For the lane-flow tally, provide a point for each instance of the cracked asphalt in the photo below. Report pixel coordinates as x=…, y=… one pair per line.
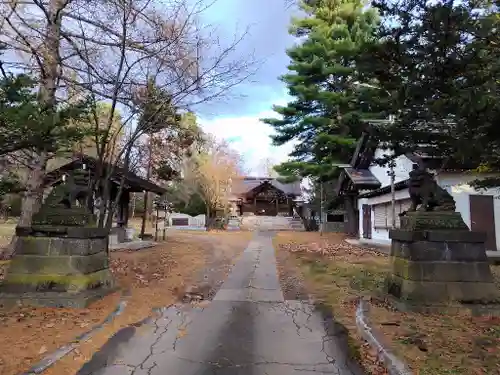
x=247, y=329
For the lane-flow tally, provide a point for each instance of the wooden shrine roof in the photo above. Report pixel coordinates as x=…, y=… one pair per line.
x=133, y=182
x=247, y=184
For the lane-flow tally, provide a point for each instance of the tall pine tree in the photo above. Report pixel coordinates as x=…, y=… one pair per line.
x=326, y=114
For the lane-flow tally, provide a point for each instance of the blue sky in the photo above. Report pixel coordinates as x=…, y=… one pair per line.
x=236, y=119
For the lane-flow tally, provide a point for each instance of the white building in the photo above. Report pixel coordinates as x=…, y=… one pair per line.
x=480, y=209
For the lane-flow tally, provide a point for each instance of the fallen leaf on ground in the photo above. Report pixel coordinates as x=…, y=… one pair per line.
x=337, y=273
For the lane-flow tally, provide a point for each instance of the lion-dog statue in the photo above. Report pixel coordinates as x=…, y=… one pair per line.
x=426, y=194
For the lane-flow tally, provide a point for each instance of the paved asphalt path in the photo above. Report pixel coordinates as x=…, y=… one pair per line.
x=248, y=329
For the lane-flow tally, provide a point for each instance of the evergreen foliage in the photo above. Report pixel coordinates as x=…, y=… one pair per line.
x=156, y=109
x=437, y=68
x=326, y=114
x=195, y=205
x=25, y=124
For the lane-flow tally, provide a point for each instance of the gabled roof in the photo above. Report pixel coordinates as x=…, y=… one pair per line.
x=362, y=178
x=358, y=175
x=133, y=182
x=365, y=150
x=247, y=184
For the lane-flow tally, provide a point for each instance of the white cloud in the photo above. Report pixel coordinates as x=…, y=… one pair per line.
x=250, y=137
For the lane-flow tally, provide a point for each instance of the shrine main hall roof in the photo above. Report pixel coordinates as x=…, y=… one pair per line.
x=247, y=184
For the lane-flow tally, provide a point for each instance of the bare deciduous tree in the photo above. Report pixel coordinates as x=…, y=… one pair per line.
x=112, y=50
x=36, y=33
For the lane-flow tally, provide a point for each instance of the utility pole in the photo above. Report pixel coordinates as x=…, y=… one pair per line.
x=392, y=174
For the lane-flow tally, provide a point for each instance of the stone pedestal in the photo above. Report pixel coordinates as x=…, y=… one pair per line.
x=62, y=259
x=58, y=267
x=436, y=260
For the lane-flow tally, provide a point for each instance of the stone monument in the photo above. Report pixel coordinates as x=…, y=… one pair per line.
x=435, y=258
x=61, y=260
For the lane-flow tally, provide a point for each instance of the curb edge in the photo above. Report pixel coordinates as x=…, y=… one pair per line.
x=64, y=350
x=394, y=365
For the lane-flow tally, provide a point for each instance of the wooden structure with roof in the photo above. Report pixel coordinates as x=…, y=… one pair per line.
x=132, y=183
x=264, y=196
x=354, y=179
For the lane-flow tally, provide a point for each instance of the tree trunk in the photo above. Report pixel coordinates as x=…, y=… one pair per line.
x=103, y=205
x=32, y=198
x=151, y=210
x=110, y=209
x=208, y=221
x=134, y=198
x=144, y=214
x=47, y=96
x=146, y=195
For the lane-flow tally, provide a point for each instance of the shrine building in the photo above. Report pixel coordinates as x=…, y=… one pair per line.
x=264, y=196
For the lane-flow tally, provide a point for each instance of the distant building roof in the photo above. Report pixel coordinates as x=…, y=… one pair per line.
x=246, y=184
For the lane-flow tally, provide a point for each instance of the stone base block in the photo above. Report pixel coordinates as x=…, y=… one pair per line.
x=432, y=292
x=26, y=283
x=55, y=299
x=441, y=271
x=440, y=266
x=62, y=216
x=408, y=245
x=62, y=232
x=63, y=245
x=433, y=220
x=58, y=266
x=129, y=234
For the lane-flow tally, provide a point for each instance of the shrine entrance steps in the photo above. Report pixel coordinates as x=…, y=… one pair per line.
x=271, y=223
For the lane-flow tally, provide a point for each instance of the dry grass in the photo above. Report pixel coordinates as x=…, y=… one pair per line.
x=155, y=277
x=337, y=273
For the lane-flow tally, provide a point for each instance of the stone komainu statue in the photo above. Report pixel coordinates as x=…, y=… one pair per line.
x=69, y=194
x=65, y=205
x=76, y=191
x=424, y=191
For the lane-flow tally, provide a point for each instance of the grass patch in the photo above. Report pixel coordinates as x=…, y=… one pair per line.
x=337, y=273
